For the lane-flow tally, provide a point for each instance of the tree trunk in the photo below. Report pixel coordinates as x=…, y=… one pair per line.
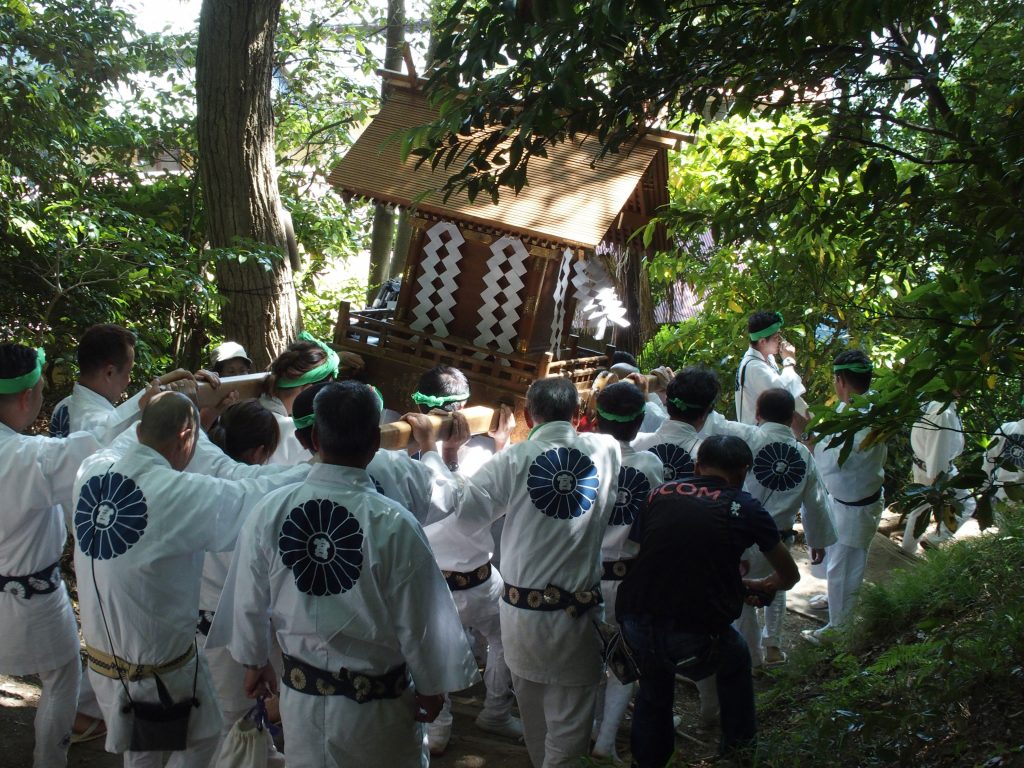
x=403, y=235
x=235, y=126
x=380, y=250
x=383, y=219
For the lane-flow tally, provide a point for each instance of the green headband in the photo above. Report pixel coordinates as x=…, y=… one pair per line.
x=380, y=397
x=623, y=419
x=26, y=380
x=682, y=405
x=301, y=422
x=433, y=401
x=329, y=367
x=764, y=333
x=854, y=367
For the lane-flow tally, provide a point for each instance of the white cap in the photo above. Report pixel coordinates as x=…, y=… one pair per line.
x=229, y=350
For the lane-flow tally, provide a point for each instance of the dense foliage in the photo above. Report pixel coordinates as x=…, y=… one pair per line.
x=867, y=182
x=85, y=235
x=931, y=675
x=101, y=216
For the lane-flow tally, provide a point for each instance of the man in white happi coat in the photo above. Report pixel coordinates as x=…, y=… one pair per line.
x=142, y=526
x=425, y=489
x=855, y=493
x=936, y=438
x=655, y=414
x=759, y=370
x=210, y=460
x=357, y=602
x=690, y=398
x=557, y=491
x=106, y=355
x=37, y=476
x=465, y=558
x=621, y=410
x=1004, y=460
x=783, y=478
x=306, y=361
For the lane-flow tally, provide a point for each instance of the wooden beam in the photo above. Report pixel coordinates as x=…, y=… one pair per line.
x=397, y=435
x=394, y=436
x=248, y=387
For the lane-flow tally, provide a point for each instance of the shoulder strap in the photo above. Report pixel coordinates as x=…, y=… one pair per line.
x=741, y=378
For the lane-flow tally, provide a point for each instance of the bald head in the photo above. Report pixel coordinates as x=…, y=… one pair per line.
x=169, y=425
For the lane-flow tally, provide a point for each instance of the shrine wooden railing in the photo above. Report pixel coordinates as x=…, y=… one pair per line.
x=514, y=372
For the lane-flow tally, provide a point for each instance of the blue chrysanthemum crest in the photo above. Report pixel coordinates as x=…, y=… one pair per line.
x=563, y=483
x=321, y=542
x=779, y=467
x=634, y=488
x=111, y=516
x=675, y=460
x=60, y=421
x=1013, y=451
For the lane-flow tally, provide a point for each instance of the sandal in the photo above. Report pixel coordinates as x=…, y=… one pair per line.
x=97, y=729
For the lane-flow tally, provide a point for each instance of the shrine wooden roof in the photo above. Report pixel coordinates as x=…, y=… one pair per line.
x=569, y=199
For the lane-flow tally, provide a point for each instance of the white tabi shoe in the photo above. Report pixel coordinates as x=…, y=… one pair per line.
x=438, y=736
x=510, y=727
x=818, y=602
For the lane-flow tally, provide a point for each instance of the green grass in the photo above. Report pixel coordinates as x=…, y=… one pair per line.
x=930, y=674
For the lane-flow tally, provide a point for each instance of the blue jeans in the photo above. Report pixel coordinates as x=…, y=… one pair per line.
x=663, y=651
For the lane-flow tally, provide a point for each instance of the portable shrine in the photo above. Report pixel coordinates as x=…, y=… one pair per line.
x=492, y=288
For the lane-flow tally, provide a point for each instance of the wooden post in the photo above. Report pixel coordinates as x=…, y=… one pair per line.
x=531, y=301
x=544, y=365
x=412, y=267
x=341, y=327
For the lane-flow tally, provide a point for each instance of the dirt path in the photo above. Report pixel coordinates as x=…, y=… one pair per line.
x=470, y=747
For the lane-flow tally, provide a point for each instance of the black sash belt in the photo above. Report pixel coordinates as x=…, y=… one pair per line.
x=39, y=583
x=615, y=570
x=552, y=598
x=863, y=502
x=358, y=686
x=457, y=580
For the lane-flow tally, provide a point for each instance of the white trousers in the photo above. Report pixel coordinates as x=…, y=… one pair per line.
x=556, y=721
x=616, y=696
x=762, y=627
x=965, y=511
x=87, y=704
x=478, y=608
x=55, y=714
x=845, y=573
x=198, y=754
x=228, y=677
x=616, y=699
x=337, y=732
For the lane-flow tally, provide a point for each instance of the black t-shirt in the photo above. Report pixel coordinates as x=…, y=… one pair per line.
x=692, y=535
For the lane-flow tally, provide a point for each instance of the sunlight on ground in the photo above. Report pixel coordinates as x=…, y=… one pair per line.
x=17, y=693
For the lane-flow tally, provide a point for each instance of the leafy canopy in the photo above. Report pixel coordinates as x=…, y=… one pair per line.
x=875, y=197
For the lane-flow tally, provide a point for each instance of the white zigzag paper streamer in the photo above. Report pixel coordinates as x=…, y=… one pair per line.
x=561, y=289
x=440, y=300
x=509, y=262
x=595, y=287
